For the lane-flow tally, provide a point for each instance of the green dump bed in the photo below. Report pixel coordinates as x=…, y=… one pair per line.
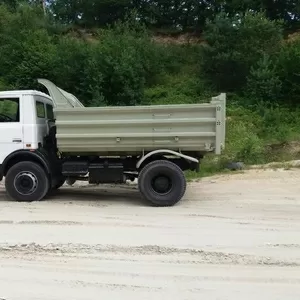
x=132, y=130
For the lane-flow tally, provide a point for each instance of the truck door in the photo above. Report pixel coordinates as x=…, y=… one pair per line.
x=11, y=127
x=41, y=121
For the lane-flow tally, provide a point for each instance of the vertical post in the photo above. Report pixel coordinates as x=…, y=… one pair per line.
x=223, y=101
x=220, y=103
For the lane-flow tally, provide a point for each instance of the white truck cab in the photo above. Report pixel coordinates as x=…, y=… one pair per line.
x=24, y=119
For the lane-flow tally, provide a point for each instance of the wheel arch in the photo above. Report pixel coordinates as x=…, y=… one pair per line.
x=151, y=154
x=26, y=155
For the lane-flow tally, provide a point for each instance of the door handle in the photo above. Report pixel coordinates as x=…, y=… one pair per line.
x=17, y=141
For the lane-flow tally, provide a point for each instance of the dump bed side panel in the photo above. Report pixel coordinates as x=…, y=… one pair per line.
x=132, y=130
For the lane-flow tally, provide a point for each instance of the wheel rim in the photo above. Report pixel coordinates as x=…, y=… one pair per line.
x=161, y=184
x=25, y=183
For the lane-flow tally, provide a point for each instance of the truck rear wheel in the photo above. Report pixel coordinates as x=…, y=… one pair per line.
x=26, y=182
x=162, y=183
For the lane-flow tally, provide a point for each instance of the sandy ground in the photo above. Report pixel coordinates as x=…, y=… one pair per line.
x=232, y=237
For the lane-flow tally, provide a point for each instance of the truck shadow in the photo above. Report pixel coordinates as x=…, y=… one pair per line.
x=98, y=195
x=110, y=194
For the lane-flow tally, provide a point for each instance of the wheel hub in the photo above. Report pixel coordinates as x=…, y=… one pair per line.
x=161, y=184
x=25, y=183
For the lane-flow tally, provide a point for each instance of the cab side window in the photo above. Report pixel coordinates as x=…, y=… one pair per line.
x=9, y=110
x=40, y=110
x=50, y=114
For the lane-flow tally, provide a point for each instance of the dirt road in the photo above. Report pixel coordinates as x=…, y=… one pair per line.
x=232, y=237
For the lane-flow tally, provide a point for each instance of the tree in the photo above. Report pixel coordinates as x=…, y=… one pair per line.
x=27, y=50
x=235, y=44
x=288, y=68
x=286, y=10
x=184, y=15
x=263, y=82
x=10, y=3
x=90, y=13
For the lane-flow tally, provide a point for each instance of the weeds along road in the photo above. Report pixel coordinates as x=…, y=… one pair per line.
x=232, y=237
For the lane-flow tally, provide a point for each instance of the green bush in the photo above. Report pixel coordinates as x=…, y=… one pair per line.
x=288, y=68
x=178, y=57
x=118, y=67
x=3, y=85
x=280, y=124
x=263, y=82
x=34, y=61
x=243, y=141
x=113, y=69
x=183, y=88
x=26, y=49
x=234, y=45
x=69, y=67
x=250, y=132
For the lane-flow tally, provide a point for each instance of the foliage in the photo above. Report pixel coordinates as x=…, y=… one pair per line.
x=280, y=124
x=119, y=66
x=113, y=70
x=69, y=65
x=182, y=15
x=168, y=15
x=288, y=68
x=177, y=89
x=243, y=141
x=3, y=86
x=234, y=45
x=90, y=13
x=263, y=81
x=26, y=47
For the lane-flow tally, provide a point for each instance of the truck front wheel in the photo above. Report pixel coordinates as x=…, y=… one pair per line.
x=162, y=183
x=59, y=183
x=26, y=181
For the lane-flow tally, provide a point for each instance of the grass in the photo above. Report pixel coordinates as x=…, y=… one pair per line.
x=206, y=170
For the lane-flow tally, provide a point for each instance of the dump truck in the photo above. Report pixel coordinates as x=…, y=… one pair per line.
x=48, y=138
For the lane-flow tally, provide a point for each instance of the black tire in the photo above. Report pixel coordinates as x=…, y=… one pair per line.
x=53, y=189
x=59, y=184
x=166, y=192
x=26, y=182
